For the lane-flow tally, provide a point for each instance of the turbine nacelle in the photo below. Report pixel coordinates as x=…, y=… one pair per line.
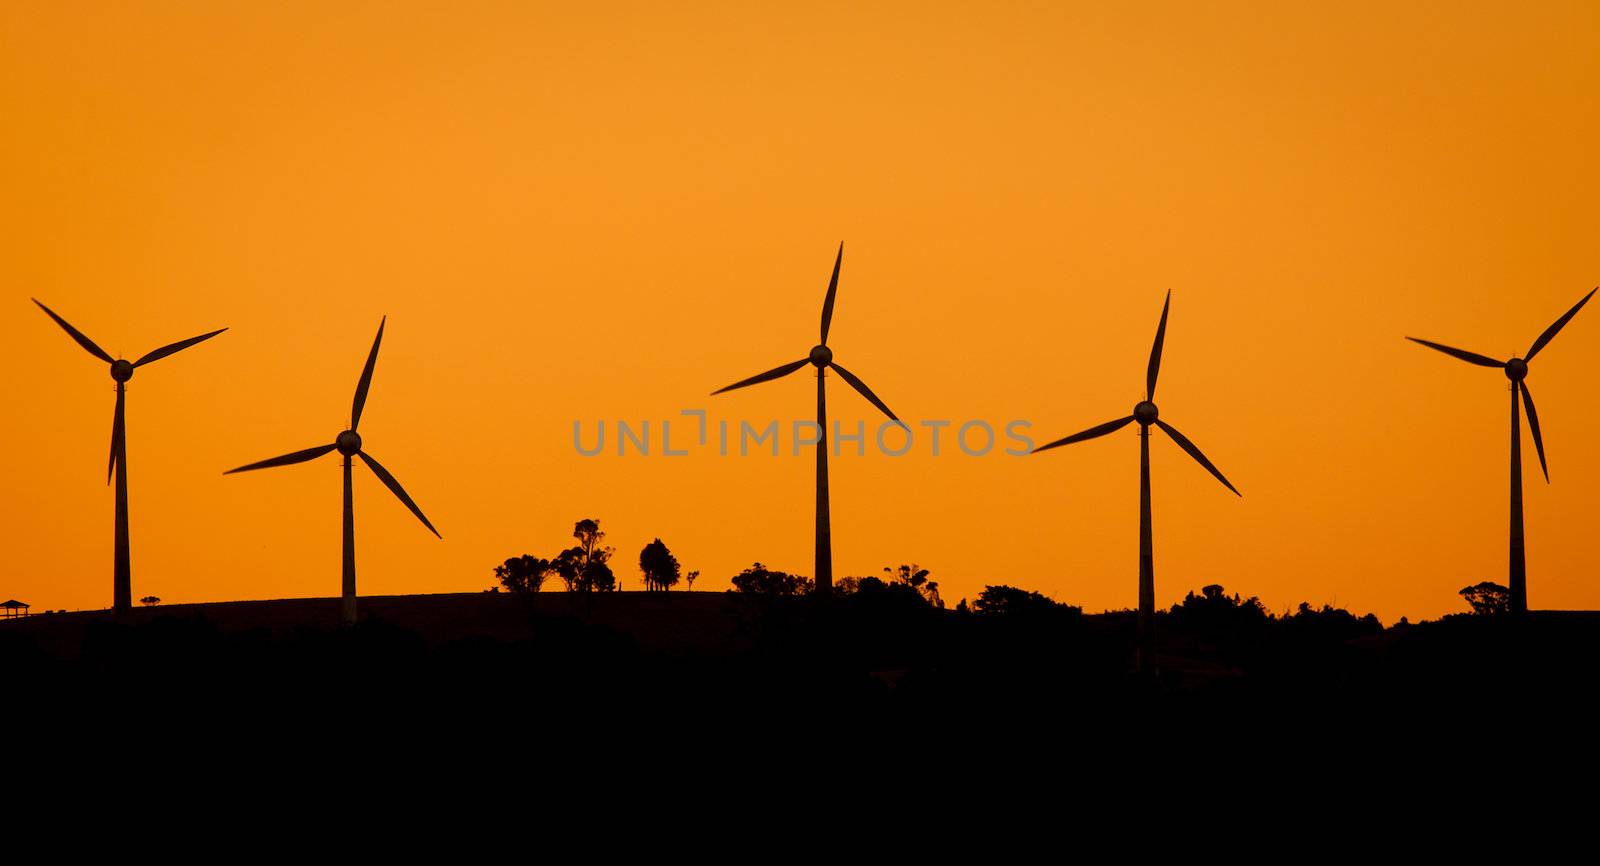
x=121, y=370
x=821, y=356
x=1516, y=369
x=348, y=443
x=1146, y=413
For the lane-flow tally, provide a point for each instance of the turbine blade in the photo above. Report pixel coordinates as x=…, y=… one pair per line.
x=366, y=378
x=1194, y=452
x=1533, y=425
x=865, y=392
x=1091, y=433
x=1155, y=351
x=1550, y=332
x=833, y=289
x=1463, y=354
x=394, y=487
x=286, y=460
x=117, y=434
x=774, y=373
x=176, y=347
x=76, y=334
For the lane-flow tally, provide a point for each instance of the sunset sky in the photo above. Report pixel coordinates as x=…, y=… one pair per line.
x=605, y=211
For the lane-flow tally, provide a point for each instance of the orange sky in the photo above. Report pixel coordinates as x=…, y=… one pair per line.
x=603, y=211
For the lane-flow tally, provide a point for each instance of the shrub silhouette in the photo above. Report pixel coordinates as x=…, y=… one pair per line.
x=523, y=573
x=916, y=577
x=1329, y=624
x=1002, y=600
x=598, y=577
x=760, y=579
x=1487, y=598
x=1213, y=610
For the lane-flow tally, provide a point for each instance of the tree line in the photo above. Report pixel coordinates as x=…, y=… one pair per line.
x=586, y=567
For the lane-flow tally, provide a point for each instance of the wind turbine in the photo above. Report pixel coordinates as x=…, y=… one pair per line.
x=348, y=444
x=821, y=357
x=1516, y=370
x=121, y=371
x=1146, y=413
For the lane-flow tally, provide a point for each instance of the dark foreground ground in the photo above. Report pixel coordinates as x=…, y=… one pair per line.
x=492, y=703
x=661, y=661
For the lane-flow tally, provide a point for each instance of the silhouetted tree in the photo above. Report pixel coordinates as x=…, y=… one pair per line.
x=568, y=564
x=885, y=624
x=1005, y=600
x=583, y=568
x=690, y=578
x=589, y=536
x=917, y=578
x=150, y=601
x=845, y=586
x=597, y=577
x=658, y=565
x=1225, y=627
x=1016, y=631
x=1214, y=610
x=1487, y=598
x=523, y=573
x=760, y=579
x=1329, y=624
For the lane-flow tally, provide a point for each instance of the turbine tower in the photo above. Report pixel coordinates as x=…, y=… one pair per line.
x=1146, y=413
x=121, y=371
x=348, y=444
x=1516, y=370
x=821, y=357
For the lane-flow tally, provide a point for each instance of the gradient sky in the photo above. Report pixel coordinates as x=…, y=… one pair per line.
x=607, y=210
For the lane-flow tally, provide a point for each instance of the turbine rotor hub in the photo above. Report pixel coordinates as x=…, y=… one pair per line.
x=348, y=443
x=821, y=356
x=121, y=370
x=1516, y=369
x=1146, y=413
